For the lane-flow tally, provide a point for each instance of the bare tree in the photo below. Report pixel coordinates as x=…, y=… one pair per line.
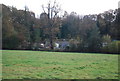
x=52, y=20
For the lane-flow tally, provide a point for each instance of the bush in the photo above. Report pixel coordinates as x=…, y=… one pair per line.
x=113, y=47
x=11, y=42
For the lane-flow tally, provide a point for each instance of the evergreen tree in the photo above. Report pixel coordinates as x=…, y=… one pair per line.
x=93, y=41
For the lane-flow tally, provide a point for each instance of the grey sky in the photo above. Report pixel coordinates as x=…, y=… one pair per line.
x=82, y=7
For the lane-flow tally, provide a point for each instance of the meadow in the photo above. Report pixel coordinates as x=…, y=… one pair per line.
x=18, y=64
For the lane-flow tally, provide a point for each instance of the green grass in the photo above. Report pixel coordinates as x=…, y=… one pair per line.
x=58, y=65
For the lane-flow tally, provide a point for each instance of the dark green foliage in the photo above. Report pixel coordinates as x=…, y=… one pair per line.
x=115, y=29
x=93, y=40
x=18, y=26
x=20, y=29
x=70, y=26
x=11, y=42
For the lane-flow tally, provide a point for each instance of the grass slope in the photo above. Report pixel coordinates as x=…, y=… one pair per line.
x=58, y=65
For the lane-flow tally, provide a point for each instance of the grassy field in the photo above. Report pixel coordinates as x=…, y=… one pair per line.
x=58, y=65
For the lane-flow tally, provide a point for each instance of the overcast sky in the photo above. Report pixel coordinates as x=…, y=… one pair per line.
x=81, y=7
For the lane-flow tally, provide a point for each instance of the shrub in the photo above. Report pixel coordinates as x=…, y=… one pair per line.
x=113, y=47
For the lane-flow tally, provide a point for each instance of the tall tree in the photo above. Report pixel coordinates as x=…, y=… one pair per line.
x=52, y=21
x=94, y=40
x=70, y=25
x=115, y=29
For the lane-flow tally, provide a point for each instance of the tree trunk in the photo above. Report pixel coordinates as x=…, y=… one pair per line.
x=51, y=44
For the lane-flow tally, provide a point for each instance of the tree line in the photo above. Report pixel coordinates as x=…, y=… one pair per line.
x=88, y=33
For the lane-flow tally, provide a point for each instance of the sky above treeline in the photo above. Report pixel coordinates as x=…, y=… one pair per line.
x=81, y=7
